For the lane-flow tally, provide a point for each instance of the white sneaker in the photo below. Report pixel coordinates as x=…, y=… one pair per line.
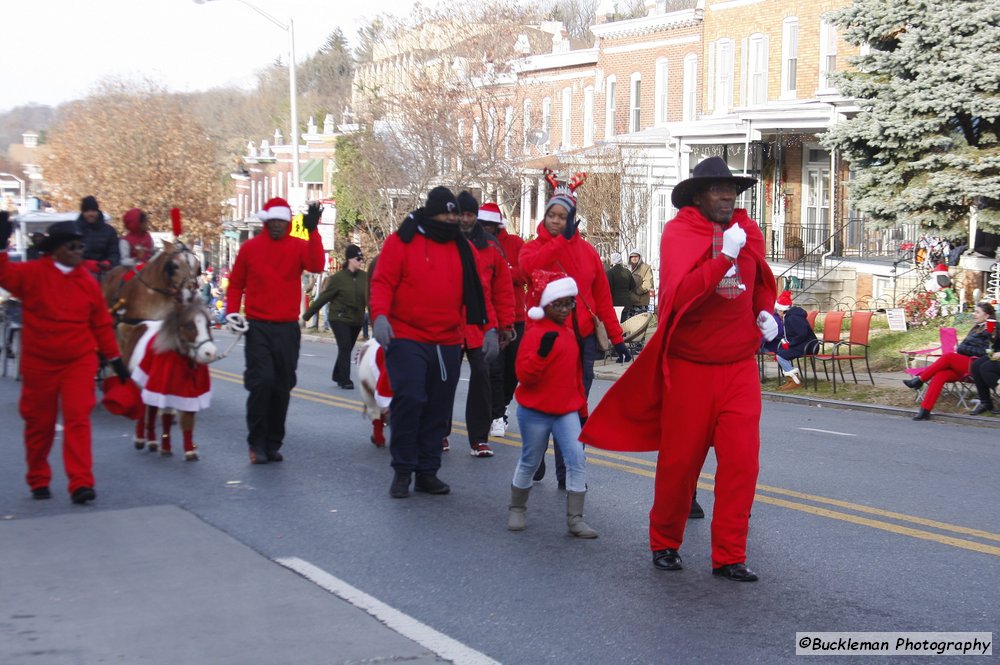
x=498, y=428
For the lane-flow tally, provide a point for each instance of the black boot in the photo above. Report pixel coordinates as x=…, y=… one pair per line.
x=400, y=488
x=696, y=510
x=914, y=383
x=430, y=483
x=922, y=414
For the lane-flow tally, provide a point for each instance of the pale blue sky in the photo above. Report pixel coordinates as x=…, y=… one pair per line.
x=53, y=51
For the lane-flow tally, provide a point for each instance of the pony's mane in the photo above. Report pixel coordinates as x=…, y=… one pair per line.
x=169, y=336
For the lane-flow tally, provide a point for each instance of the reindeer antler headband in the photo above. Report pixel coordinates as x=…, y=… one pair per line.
x=564, y=188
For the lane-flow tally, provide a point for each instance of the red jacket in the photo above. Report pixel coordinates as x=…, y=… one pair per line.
x=553, y=384
x=498, y=289
x=578, y=259
x=628, y=417
x=269, y=274
x=64, y=316
x=512, y=245
x=418, y=285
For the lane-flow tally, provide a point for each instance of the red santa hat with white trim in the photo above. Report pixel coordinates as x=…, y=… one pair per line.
x=546, y=287
x=276, y=208
x=784, y=301
x=489, y=213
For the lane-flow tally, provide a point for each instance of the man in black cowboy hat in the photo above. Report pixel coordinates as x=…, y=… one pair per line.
x=66, y=318
x=715, y=297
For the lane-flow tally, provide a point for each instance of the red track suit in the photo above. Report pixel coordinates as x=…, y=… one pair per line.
x=65, y=322
x=706, y=390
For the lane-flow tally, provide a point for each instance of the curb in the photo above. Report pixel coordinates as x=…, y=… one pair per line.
x=954, y=418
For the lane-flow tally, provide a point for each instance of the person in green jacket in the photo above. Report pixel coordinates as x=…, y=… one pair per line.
x=346, y=291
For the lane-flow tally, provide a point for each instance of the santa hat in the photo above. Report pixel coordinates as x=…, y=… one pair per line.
x=276, y=208
x=122, y=398
x=546, y=287
x=940, y=269
x=489, y=213
x=784, y=301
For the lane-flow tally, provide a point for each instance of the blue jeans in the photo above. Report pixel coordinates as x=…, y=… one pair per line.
x=535, y=430
x=785, y=365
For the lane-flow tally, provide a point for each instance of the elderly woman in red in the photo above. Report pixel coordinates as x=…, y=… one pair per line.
x=65, y=322
x=559, y=248
x=954, y=366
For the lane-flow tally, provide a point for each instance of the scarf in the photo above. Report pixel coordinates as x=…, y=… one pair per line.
x=443, y=232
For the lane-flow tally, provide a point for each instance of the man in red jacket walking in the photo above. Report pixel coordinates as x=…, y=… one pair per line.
x=267, y=280
x=423, y=335
x=65, y=321
x=696, y=385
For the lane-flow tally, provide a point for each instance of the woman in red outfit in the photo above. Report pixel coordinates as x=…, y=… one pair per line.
x=953, y=366
x=551, y=399
x=136, y=247
x=65, y=321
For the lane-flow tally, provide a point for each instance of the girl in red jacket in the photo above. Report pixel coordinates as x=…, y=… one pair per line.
x=551, y=399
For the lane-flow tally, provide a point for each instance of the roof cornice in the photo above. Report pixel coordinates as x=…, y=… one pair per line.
x=648, y=24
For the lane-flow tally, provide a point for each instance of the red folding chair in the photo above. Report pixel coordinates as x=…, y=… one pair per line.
x=832, y=323
x=857, y=338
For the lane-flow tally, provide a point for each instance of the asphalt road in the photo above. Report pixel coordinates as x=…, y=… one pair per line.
x=863, y=522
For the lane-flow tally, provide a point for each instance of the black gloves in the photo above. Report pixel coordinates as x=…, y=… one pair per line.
x=6, y=229
x=571, y=225
x=624, y=355
x=311, y=219
x=548, y=341
x=119, y=367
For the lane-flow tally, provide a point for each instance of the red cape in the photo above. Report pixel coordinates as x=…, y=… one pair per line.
x=628, y=417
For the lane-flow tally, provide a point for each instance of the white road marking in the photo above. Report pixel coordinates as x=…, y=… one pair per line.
x=825, y=431
x=444, y=646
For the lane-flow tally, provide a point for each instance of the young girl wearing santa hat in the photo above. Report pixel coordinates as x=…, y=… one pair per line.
x=551, y=399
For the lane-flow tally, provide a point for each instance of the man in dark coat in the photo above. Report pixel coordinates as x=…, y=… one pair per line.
x=100, y=240
x=799, y=339
x=622, y=283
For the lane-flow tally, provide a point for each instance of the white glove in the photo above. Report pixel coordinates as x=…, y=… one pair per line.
x=733, y=240
x=237, y=323
x=767, y=325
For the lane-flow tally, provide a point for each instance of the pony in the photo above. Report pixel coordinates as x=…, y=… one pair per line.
x=376, y=403
x=147, y=292
x=170, y=363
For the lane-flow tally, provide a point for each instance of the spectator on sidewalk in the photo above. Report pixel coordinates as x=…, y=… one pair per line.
x=423, y=335
x=642, y=273
x=798, y=340
x=985, y=372
x=621, y=283
x=346, y=296
x=66, y=320
x=954, y=366
x=267, y=280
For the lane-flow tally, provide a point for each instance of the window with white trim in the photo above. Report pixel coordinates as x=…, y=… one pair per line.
x=609, y=107
x=508, y=130
x=725, y=56
x=588, y=116
x=690, y=92
x=475, y=136
x=526, y=123
x=635, y=98
x=789, y=57
x=661, y=210
x=827, y=54
x=756, y=70
x=660, y=100
x=567, y=115
x=461, y=146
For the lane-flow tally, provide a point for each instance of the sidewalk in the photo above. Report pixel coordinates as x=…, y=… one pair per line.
x=159, y=586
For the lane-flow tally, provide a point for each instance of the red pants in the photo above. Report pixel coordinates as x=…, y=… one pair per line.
x=43, y=390
x=708, y=405
x=949, y=367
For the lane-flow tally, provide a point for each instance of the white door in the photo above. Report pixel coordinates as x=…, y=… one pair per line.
x=815, y=197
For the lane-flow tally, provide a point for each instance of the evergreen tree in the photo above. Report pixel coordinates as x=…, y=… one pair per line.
x=925, y=145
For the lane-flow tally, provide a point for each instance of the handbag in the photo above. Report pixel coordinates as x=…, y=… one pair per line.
x=600, y=330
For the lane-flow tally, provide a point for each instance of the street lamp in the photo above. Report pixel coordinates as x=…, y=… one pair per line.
x=292, y=89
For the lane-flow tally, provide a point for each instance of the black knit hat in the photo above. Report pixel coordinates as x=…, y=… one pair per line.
x=706, y=172
x=440, y=201
x=467, y=203
x=59, y=234
x=353, y=252
x=89, y=203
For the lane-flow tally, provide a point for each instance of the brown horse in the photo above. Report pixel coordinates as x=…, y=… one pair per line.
x=133, y=296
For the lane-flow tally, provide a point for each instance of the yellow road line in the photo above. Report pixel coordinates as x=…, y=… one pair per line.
x=602, y=458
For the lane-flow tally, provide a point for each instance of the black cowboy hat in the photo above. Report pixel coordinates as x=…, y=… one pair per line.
x=707, y=172
x=59, y=234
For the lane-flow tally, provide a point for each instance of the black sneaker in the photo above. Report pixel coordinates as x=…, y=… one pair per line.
x=82, y=495
x=40, y=493
x=431, y=484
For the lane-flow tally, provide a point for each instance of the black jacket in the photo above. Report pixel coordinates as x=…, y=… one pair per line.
x=621, y=282
x=100, y=240
x=799, y=335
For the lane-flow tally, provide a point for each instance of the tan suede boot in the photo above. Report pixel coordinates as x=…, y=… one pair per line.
x=518, y=507
x=574, y=516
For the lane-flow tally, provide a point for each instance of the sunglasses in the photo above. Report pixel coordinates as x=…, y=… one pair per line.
x=563, y=305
